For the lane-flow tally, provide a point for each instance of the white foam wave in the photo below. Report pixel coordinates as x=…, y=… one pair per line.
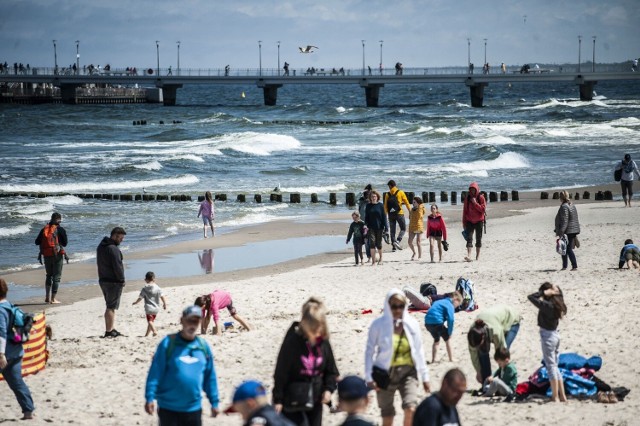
x=251, y=219
x=15, y=230
x=65, y=200
x=341, y=109
x=153, y=165
x=193, y=158
x=100, y=186
x=506, y=160
x=258, y=143
x=35, y=208
x=315, y=189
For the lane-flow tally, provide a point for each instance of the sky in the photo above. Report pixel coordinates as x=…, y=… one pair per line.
x=214, y=33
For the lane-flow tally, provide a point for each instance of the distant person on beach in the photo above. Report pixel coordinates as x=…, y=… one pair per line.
x=182, y=368
x=208, y=213
x=362, y=209
x=627, y=167
x=151, y=293
x=206, y=260
x=394, y=358
x=436, y=232
x=211, y=305
x=306, y=373
x=416, y=226
x=499, y=325
x=567, y=223
x=551, y=308
x=440, y=313
x=629, y=255
x=357, y=230
x=11, y=359
x=111, y=277
x=251, y=401
x=52, y=240
x=473, y=217
x=393, y=202
x=376, y=221
x=439, y=409
x=353, y=399
x=505, y=379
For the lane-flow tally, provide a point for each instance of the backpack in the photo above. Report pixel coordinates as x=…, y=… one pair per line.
x=49, y=245
x=467, y=290
x=393, y=206
x=617, y=175
x=19, y=326
x=202, y=345
x=428, y=289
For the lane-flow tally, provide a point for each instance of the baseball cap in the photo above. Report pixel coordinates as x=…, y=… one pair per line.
x=249, y=389
x=351, y=388
x=192, y=311
x=627, y=157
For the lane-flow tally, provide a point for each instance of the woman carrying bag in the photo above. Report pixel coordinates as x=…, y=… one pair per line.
x=394, y=358
x=306, y=372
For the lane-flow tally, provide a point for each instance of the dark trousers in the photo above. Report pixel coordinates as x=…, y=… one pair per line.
x=485, y=358
x=357, y=250
x=53, y=268
x=627, y=189
x=178, y=418
x=570, y=253
x=307, y=418
x=12, y=374
x=399, y=220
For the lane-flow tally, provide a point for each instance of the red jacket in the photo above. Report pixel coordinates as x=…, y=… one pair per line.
x=436, y=224
x=474, y=207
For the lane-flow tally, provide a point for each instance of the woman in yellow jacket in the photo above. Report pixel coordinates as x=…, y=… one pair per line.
x=416, y=226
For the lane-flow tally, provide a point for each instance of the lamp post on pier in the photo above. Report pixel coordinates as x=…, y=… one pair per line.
x=278, y=57
x=178, y=44
x=158, y=58
x=381, y=41
x=485, y=51
x=77, y=56
x=55, y=58
x=579, y=51
x=469, y=54
x=260, y=56
x=363, y=57
x=593, y=60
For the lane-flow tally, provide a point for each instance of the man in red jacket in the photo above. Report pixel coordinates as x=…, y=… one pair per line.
x=473, y=215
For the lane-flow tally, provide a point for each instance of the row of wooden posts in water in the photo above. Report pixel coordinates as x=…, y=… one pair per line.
x=295, y=197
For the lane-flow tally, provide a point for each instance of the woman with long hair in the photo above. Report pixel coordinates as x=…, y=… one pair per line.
x=208, y=213
x=416, y=226
x=436, y=231
x=567, y=223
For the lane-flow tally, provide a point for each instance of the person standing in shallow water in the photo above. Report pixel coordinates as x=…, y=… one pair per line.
x=567, y=223
x=208, y=213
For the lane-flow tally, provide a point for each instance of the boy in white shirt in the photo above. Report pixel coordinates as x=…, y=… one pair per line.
x=152, y=295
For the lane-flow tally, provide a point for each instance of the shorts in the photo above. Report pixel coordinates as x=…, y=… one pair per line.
x=375, y=238
x=207, y=220
x=437, y=331
x=405, y=379
x=632, y=254
x=112, y=293
x=151, y=317
x=231, y=309
x=436, y=234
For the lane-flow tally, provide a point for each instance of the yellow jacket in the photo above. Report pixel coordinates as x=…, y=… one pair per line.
x=402, y=199
x=416, y=219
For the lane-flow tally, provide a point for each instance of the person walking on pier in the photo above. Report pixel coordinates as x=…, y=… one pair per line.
x=503, y=67
x=393, y=202
x=286, y=68
x=627, y=168
x=226, y=70
x=169, y=72
x=52, y=239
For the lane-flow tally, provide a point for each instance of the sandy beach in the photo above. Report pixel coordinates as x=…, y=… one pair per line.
x=89, y=380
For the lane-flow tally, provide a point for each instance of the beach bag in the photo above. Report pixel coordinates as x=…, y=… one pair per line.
x=381, y=377
x=49, y=245
x=428, y=289
x=561, y=245
x=467, y=289
x=298, y=397
x=20, y=324
x=617, y=175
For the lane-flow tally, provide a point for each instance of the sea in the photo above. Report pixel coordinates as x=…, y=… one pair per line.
x=318, y=139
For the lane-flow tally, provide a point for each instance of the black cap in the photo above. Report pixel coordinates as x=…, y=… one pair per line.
x=627, y=157
x=352, y=388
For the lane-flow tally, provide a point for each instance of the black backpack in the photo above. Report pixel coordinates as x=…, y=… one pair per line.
x=617, y=175
x=393, y=206
x=428, y=289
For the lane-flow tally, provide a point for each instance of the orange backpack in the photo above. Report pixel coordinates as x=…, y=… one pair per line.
x=49, y=245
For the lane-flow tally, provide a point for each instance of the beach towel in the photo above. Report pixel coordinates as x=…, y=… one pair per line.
x=35, y=350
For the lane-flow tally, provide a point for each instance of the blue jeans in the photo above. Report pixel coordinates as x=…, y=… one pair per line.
x=511, y=335
x=571, y=256
x=12, y=373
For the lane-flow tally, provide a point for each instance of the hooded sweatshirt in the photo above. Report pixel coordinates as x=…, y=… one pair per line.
x=380, y=348
x=437, y=224
x=473, y=212
x=499, y=319
x=109, y=260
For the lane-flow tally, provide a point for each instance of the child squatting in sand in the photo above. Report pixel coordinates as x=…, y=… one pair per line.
x=152, y=295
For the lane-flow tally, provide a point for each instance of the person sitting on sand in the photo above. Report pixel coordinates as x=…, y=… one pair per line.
x=208, y=213
x=416, y=226
x=211, y=305
x=629, y=255
x=152, y=295
x=442, y=311
x=505, y=379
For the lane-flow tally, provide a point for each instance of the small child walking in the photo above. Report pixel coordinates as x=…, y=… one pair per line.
x=550, y=303
x=442, y=311
x=358, y=230
x=505, y=379
x=208, y=213
x=151, y=293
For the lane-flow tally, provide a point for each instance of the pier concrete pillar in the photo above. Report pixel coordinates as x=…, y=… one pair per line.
x=586, y=90
x=477, y=92
x=270, y=92
x=68, y=93
x=371, y=92
x=169, y=94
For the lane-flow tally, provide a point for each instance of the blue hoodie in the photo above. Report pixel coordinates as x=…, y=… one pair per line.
x=177, y=383
x=440, y=311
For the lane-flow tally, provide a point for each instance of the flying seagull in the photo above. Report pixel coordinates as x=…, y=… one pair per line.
x=307, y=49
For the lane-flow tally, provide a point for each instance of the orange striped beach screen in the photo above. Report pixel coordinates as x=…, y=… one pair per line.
x=35, y=350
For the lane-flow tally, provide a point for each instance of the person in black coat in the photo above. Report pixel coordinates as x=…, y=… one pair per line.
x=305, y=361
x=377, y=224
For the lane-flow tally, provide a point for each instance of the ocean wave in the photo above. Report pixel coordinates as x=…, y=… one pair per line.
x=289, y=170
x=258, y=143
x=99, y=186
x=315, y=189
x=153, y=165
x=254, y=218
x=15, y=230
x=506, y=160
x=64, y=200
x=190, y=157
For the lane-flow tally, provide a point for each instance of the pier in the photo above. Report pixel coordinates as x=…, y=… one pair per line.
x=166, y=86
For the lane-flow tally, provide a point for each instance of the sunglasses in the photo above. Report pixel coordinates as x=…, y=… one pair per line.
x=193, y=320
x=394, y=307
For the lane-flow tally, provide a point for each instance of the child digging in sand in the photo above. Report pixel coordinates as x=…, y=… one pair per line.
x=440, y=312
x=505, y=379
x=211, y=305
x=152, y=295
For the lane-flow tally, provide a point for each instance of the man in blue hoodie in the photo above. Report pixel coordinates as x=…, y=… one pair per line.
x=182, y=368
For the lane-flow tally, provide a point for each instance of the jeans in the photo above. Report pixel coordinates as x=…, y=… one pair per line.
x=511, y=335
x=397, y=219
x=53, y=268
x=12, y=373
x=570, y=254
x=177, y=418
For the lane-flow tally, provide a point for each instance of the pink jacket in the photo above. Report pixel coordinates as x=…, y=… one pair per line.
x=436, y=224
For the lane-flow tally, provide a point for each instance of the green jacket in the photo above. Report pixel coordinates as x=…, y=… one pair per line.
x=509, y=375
x=499, y=319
